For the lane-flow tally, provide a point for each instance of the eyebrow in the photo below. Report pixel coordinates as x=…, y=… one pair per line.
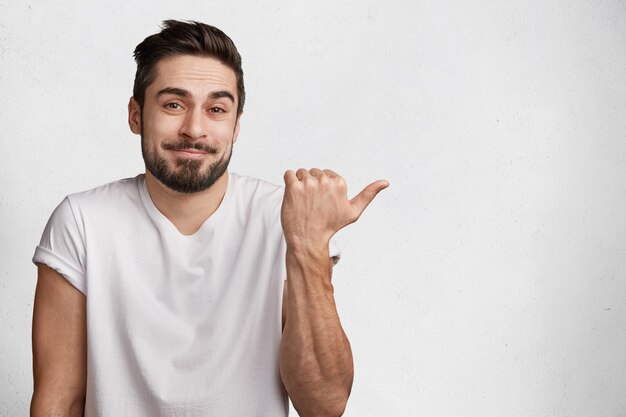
x=186, y=94
x=174, y=91
x=220, y=94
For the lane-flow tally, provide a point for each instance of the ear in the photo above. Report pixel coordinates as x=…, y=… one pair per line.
x=236, y=132
x=134, y=116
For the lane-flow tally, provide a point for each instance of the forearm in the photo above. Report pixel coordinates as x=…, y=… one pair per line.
x=315, y=357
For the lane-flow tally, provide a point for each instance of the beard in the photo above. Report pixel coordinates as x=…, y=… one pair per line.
x=187, y=176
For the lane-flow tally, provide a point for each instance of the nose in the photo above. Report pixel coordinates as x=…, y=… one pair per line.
x=194, y=124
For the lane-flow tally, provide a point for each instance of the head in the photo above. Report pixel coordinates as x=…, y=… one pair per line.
x=187, y=99
x=185, y=38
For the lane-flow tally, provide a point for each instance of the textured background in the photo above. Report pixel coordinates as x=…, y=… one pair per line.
x=489, y=280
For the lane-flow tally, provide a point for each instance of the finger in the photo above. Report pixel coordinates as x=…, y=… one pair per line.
x=302, y=174
x=365, y=197
x=290, y=177
x=331, y=173
x=316, y=172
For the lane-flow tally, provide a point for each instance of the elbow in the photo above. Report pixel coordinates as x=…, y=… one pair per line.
x=337, y=407
x=329, y=406
x=334, y=410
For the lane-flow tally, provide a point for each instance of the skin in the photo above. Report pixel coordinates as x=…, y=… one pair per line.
x=194, y=99
x=315, y=358
x=59, y=347
x=202, y=114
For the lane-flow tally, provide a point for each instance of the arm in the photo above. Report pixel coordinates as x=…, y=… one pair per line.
x=315, y=357
x=59, y=347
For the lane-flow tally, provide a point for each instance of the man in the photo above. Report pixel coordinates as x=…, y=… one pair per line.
x=164, y=294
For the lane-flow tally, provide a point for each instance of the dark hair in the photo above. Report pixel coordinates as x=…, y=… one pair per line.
x=185, y=38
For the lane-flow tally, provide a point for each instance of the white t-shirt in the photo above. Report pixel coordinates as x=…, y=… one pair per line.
x=176, y=325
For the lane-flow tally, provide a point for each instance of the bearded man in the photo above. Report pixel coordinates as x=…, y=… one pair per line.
x=189, y=290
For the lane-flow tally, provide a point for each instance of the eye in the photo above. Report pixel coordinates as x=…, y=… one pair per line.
x=173, y=106
x=216, y=110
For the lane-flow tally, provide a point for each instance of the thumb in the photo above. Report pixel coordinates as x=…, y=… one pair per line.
x=365, y=197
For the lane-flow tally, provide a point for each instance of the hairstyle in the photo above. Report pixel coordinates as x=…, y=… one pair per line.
x=185, y=38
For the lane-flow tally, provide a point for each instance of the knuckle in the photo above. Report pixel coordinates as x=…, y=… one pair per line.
x=312, y=182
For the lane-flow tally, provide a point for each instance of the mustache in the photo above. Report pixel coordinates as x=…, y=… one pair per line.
x=189, y=145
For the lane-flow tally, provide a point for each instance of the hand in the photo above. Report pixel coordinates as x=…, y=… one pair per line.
x=316, y=205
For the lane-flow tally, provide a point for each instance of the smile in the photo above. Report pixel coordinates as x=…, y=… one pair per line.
x=189, y=153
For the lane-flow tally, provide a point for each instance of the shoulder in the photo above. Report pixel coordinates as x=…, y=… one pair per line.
x=107, y=194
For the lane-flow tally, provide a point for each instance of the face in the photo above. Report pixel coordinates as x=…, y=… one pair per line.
x=189, y=122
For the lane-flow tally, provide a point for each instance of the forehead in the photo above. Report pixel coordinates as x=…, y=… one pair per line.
x=198, y=74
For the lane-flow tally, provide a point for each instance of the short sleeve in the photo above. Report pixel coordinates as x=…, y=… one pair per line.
x=62, y=246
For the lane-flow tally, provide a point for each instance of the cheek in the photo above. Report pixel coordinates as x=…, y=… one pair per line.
x=161, y=126
x=224, y=132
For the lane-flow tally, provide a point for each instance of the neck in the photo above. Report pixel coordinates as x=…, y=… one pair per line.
x=186, y=211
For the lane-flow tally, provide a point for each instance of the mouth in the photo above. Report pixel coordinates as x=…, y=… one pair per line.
x=190, y=150
x=189, y=153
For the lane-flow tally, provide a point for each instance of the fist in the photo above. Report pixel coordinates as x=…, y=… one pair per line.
x=316, y=205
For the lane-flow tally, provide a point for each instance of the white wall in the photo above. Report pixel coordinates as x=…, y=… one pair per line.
x=489, y=280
